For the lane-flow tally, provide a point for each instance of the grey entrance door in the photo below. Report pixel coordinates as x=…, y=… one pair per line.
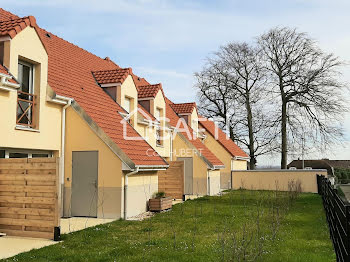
x=84, y=183
x=188, y=190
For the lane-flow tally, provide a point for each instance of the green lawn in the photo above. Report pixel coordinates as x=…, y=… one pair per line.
x=239, y=225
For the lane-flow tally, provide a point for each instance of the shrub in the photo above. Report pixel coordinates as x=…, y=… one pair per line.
x=160, y=194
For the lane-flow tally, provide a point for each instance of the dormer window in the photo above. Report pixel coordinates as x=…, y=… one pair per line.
x=158, y=114
x=127, y=104
x=26, y=98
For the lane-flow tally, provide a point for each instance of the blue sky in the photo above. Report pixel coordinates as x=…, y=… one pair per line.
x=167, y=41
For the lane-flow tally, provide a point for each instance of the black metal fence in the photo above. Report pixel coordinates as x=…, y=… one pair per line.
x=338, y=218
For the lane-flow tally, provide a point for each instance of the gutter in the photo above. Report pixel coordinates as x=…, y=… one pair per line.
x=135, y=171
x=6, y=85
x=241, y=158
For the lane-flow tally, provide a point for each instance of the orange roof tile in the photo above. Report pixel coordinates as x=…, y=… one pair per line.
x=15, y=25
x=139, y=81
x=111, y=76
x=69, y=74
x=184, y=108
x=66, y=59
x=204, y=151
x=222, y=138
x=6, y=15
x=148, y=91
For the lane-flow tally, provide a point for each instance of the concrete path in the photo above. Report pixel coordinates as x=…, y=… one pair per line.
x=11, y=246
x=346, y=191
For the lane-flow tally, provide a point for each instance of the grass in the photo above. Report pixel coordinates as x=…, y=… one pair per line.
x=206, y=229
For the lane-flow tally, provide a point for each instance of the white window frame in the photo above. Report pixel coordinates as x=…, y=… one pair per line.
x=26, y=151
x=31, y=76
x=127, y=104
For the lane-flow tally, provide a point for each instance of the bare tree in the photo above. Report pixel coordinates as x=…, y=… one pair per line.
x=231, y=89
x=311, y=98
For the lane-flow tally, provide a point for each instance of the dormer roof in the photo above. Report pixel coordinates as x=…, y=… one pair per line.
x=184, y=108
x=15, y=25
x=114, y=76
x=149, y=91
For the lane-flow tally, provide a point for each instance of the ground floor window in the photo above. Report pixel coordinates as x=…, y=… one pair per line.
x=24, y=153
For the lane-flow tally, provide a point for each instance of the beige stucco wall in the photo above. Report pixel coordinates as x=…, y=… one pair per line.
x=149, y=131
x=141, y=187
x=28, y=46
x=194, y=120
x=214, y=178
x=239, y=165
x=128, y=89
x=200, y=168
x=80, y=137
x=225, y=157
x=220, y=152
x=276, y=179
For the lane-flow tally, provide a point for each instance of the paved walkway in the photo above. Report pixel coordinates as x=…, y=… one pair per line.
x=346, y=191
x=11, y=246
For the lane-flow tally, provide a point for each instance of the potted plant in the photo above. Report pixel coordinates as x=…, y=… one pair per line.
x=160, y=202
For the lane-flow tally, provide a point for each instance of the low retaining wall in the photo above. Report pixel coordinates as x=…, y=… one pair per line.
x=276, y=179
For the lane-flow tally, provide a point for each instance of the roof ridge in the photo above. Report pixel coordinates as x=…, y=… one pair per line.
x=111, y=70
x=44, y=30
x=159, y=84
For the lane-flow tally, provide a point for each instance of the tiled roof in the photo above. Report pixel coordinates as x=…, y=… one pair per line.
x=6, y=15
x=222, y=138
x=3, y=70
x=139, y=81
x=112, y=76
x=69, y=74
x=173, y=121
x=15, y=25
x=148, y=91
x=183, y=108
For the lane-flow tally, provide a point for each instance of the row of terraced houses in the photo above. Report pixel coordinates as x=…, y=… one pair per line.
x=113, y=131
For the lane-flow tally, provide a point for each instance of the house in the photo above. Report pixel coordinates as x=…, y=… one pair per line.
x=113, y=131
x=203, y=175
x=63, y=101
x=330, y=165
x=233, y=157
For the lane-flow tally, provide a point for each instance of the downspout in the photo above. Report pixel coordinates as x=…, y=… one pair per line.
x=171, y=145
x=126, y=189
x=208, y=181
x=63, y=139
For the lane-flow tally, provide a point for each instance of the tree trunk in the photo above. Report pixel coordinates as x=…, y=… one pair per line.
x=284, y=135
x=251, y=134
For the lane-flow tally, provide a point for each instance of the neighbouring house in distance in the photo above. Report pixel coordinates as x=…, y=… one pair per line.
x=337, y=168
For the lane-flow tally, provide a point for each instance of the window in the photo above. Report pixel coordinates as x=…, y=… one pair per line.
x=39, y=155
x=26, y=97
x=18, y=155
x=158, y=136
x=25, y=77
x=158, y=114
x=127, y=104
x=23, y=153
